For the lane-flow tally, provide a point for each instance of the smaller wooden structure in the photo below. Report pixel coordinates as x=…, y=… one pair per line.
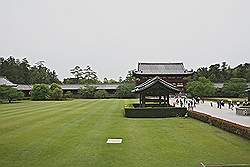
x=155, y=87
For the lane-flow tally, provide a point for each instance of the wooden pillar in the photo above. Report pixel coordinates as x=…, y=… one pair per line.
x=140, y=99
x=164, y=99
x=159, y=99
x=248, y=92
x=168, y=99
x=143, y=100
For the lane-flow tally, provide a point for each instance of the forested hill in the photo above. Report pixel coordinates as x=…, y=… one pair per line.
x=220, y=73
x=21, y=72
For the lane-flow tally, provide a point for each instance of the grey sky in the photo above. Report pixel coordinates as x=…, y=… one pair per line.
x=113, y=35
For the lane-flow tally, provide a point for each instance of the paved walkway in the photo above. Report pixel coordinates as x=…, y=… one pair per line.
x=223, y=113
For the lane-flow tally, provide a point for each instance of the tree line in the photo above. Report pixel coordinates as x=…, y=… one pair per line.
x=21, y=72
x=220, y=73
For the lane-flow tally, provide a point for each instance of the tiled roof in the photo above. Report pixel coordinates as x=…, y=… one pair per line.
x=24, y=87
x=5, y=81
x=161, y=68
x=220, y=85
x=149, y=83
x=75, y=87
x=98, y=86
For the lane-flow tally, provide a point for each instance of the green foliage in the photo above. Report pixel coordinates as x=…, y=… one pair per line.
x=56, y=92
x=220, y=123
x=101, y=94
x=40, y=92
x=202, y=87
x=21, y=72
x=85, y=76
x=130, y=78
x=53, y=86
x=235, y=87
x=111, y=81
x=68, y=94
x=221, y=73
x=77, y=72
x=87, y=92
x=9, y=93
x=124, y=90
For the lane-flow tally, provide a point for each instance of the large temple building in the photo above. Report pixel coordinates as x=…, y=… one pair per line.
x=173, y=73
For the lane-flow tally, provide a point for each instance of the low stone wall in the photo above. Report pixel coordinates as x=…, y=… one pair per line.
x=154, y=112
x=245, y=111
x=220, y=123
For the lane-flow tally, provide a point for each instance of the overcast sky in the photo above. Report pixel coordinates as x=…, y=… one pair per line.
x=112, y=36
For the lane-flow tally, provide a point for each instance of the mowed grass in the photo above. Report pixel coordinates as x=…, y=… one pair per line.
x=73, y=134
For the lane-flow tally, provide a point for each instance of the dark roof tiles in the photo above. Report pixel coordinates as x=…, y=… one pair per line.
x=161, y=68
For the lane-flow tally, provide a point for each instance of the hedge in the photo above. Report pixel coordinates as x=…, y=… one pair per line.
x=220, y=123
x=154, y=112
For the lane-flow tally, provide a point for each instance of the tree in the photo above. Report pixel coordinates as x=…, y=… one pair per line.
x=90, y=76
x=235, y=87
x=87, y=92
x=40, y=92
x=124, y=90
x=130, y=77
x=105, y=80
x=101, y=94
x=56, y=91
x=21, y=72
x=77, y=72
x=9, y=93
x=202, y=87
x=120, y=79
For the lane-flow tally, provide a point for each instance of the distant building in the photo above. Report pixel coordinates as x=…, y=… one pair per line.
x=26, y=89
x=173, y=73
x=5, y=81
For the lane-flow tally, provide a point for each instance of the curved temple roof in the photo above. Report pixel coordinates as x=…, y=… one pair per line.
x=5, y=81
x=151, y=82
x=161, y=69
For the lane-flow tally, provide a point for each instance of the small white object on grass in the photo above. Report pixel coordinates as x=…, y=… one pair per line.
x=114, y=141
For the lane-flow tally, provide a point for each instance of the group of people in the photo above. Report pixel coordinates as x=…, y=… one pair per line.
x=189, y=103
x=221, y=103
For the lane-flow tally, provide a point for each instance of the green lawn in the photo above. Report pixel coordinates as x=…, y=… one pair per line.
x=73, y=133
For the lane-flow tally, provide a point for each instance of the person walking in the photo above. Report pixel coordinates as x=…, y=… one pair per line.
x=181, y=103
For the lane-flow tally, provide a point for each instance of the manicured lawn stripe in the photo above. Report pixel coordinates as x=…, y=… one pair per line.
x=73, y=133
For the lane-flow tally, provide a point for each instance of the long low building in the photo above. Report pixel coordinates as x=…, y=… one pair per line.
x=220, y=85
x=110, y=88
x=26, y=89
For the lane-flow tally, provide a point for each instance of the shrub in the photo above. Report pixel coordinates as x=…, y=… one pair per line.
x=68, y=94
x=124, y=90
x=223, y=124
x=101, y=94
x=9, y=93
x=153, y=112
x=54, y=86
x=87, y=92
x=40, y=92
x=56, y=94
